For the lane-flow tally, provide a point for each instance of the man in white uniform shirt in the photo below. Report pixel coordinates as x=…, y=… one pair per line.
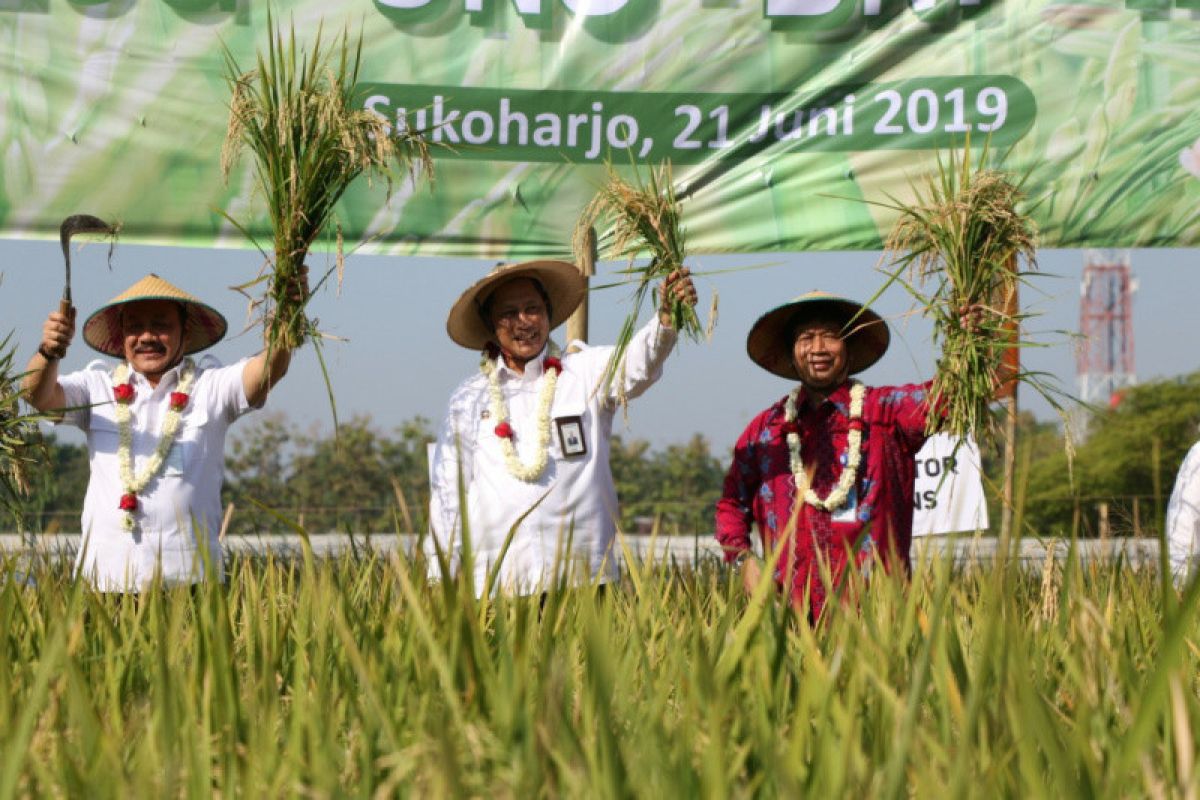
x=1183, y=517
x=155, y=428
x=530, y=430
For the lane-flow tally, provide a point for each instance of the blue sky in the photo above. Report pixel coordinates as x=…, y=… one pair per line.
x=396, y=361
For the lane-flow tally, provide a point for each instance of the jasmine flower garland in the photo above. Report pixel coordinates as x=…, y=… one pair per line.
x=123, y=392
x=837, y=497
x=499, y=411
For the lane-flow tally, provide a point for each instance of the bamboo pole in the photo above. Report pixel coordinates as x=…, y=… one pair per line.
x=225, y=522
x=1008, y=392
x=577, y=323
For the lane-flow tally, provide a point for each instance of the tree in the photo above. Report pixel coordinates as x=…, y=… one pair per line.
x=1036, y=442
x=366, y=480
x=1129, y=460
x=351, y=481
x=680, y=484
x=60, y=487
x=257, y=460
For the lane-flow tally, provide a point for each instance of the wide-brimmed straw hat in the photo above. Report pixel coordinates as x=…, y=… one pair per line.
x=770, y=343
x=562, y=280
x=204, y=326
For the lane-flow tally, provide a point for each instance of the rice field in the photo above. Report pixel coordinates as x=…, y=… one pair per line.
x=355, y=676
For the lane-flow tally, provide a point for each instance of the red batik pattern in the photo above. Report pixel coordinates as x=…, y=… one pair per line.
x=761, y=490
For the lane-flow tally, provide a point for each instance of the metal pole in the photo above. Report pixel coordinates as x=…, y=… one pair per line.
x=577, y=323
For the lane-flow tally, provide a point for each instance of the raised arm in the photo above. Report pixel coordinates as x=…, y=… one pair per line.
x=972, y=319
x=650, y=346
x=40, y=383
x=266, y=369
x=262, y=372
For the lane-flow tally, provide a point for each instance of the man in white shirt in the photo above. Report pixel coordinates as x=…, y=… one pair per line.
x=155, y=428
x=529, y=432
x=1183, y=517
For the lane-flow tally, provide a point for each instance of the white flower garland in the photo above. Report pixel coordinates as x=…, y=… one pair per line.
x=499, y=412
x=837, y=496
x=131, y=484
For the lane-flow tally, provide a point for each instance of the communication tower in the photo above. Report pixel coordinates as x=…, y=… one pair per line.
x=1105, y=363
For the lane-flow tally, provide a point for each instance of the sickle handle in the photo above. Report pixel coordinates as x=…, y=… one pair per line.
x=67, y=310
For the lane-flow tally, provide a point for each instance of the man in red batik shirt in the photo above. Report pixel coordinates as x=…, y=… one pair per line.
x=829, y=469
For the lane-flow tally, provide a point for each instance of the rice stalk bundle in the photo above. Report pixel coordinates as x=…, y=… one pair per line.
x=643, y=216
x=958, y=245
x=298, y=114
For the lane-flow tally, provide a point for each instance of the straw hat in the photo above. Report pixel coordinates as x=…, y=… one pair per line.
x=204, y=326
x=770, y=341
x=562, y=280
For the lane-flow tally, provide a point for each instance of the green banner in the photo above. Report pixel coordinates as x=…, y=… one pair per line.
x=790, y=123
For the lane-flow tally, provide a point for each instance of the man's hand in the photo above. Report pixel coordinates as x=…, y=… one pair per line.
x=298, y=291
x=57, y=333
x=266, y=369
x=971, y=317
x=40, y=382
x=751, y=574
x=678, y=286
x=297, y=295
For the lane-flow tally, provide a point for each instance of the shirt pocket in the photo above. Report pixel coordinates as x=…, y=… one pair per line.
x=103, y=435
x=187, y=450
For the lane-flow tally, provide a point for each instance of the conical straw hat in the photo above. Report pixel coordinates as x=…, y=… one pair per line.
x=562, y=280
x=203, y=328
x=770, y=343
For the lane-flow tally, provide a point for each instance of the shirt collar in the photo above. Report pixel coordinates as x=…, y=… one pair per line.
x=533, y=367
x=839, y=397
x=169, y=378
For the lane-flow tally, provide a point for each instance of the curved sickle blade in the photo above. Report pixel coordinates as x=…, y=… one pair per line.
x=79, y=223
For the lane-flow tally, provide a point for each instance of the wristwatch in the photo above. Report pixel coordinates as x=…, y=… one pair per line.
x=42, y=352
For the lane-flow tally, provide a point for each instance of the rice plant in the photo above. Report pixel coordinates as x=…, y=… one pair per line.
x=643, y=216
x=20, y=439
x=299, y=115
x=358, y=677
x=957, y=247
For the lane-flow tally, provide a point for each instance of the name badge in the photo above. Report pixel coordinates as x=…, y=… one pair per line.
x=848, y=509
x=570, y=435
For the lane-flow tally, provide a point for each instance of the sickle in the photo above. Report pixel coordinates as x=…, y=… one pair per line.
x=80, y=223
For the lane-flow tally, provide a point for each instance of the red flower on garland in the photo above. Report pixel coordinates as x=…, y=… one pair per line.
x=179, y=400
x=856, y=425
x=504, y=430
x=789, y=427
x=552, y=363
x=129, y=502
x=124, y=392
